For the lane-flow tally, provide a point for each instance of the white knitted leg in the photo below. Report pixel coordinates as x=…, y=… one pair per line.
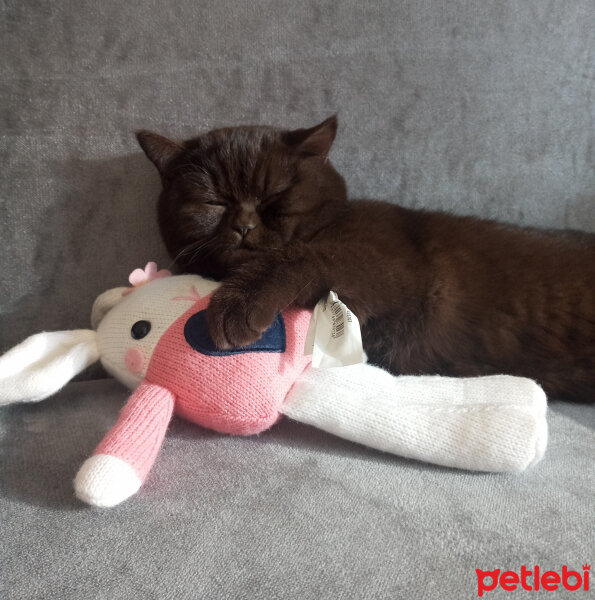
x=485, y=423
x=105, y=481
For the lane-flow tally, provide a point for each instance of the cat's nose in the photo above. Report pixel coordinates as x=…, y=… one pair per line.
x=244, y=229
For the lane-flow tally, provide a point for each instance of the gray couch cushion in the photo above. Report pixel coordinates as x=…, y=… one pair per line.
x=473, y=107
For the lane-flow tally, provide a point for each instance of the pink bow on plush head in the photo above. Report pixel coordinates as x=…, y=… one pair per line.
x=140, y=277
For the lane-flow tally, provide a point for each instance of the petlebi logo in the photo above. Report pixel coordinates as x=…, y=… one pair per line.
x=534, y=580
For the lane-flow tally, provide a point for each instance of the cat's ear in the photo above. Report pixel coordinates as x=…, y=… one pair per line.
x=160, y=150
x=316, y=141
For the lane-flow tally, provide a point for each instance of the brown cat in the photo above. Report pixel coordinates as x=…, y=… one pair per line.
x=264, y=210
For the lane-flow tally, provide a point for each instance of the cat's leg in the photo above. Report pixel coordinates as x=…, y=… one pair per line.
x=246, y=305
x=248, y=301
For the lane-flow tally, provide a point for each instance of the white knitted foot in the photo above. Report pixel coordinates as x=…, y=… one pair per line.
x=495, y=423
x=105, y=481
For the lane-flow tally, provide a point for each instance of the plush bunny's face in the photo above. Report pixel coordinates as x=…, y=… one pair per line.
x=129, y=332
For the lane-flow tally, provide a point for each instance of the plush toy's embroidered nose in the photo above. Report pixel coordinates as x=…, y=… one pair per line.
x=197, y=335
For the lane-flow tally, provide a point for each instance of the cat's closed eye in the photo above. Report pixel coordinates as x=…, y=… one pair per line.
x=270, y=199
x=215, y=203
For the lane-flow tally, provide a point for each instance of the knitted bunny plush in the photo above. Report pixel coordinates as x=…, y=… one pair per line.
x=153, y=338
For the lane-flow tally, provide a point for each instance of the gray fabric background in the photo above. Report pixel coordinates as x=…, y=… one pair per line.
x=482, y=108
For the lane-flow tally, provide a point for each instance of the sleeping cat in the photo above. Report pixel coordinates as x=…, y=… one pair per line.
x=264, y=210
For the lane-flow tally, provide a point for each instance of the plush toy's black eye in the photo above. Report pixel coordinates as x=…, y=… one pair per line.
x=140, y=329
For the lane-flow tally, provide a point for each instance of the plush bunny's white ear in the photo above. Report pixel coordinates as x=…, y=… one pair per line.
x=44, y=363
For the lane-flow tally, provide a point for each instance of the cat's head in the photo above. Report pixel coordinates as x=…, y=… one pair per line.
x=235, y=191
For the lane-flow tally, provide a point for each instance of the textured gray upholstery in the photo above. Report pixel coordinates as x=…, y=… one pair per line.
x=479, y=108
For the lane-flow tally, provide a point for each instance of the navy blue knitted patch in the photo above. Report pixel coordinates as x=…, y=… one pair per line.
x=197, y=335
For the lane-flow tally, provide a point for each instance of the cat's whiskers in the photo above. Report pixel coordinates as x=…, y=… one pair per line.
x=214, y=247
x=193, y=248
x=296, y=296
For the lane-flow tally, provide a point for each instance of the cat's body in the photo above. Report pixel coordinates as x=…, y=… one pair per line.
x=435, y=293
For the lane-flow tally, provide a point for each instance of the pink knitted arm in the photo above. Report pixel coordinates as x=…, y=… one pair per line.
x=123, y=459
x=139, y=432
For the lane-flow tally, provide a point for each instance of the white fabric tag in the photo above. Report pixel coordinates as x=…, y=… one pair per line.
x=334, y=338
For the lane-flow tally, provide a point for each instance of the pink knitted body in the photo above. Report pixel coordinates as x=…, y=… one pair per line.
x=237, y=393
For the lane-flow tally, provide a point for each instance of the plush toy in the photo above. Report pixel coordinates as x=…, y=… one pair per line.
x=153, y=338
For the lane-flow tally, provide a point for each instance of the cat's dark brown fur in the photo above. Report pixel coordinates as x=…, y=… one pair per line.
x=265, y=210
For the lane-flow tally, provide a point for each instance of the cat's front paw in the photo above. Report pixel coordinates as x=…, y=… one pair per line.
x=237, y=319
